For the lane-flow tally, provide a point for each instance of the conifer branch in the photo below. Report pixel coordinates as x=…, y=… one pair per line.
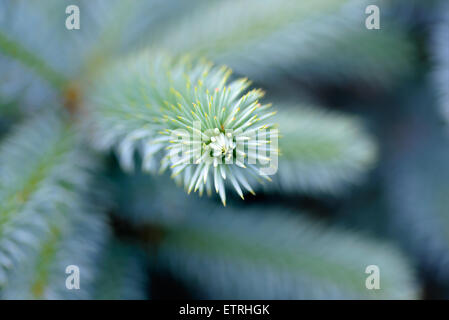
x=15, y=50
x=42, y=173
x=321, y=39
x=155, y=104
x=224, y=254
x=321, y=152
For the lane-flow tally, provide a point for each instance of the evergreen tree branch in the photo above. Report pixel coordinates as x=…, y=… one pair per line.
x=255, y=252
x=225, y=254
x=77, y=239
x=16, y=51
x=321, y=152
x=323, y=39
x=42, y=172
x=155, y=104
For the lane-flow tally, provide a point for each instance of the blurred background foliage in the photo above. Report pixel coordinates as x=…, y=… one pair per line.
x=363, y=177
